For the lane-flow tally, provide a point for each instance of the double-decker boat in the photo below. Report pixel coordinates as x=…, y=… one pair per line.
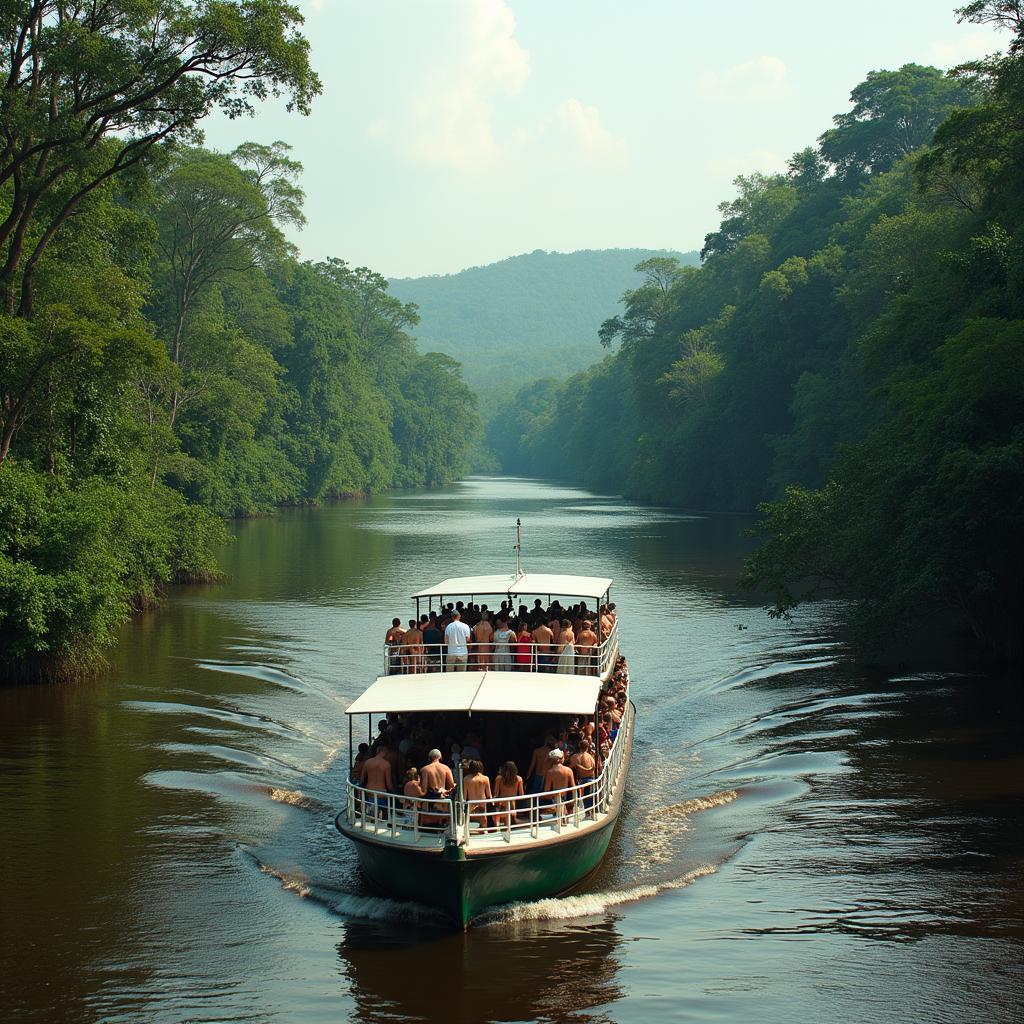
x=465, y=855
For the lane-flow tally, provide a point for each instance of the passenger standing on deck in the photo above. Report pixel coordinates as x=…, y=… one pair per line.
x=376, y=775
x=504, y=638
x=457, y=638
x=478, y=787
x=543, y=639
x=559, y=777
x=412, y=648
x=508, y=782
x=539, y=765
x=524, y=649
x=432, y=640
x=584, y=766
x=412, y=788
x=566, y=649
x=393, y=639
x=483, y=634
x=436, y=777
x=586, y=646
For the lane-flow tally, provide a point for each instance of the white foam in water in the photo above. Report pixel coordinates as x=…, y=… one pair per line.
x=376, y=908
x=590, y=904
x=296, y=798
x=656, y=841
x=368, y=908
x=705, y=803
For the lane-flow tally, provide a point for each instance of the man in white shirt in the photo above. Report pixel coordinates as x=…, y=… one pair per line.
x=456, y=635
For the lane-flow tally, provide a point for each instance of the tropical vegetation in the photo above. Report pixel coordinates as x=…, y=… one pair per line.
x=851, y=352
x=166, y=360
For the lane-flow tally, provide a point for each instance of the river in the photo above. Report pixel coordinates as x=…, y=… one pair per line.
x=803, y=839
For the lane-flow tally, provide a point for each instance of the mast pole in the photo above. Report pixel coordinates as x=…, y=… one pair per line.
x=519, y=546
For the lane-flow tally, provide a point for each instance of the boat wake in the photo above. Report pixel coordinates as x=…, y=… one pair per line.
x=657, y=842
x=587, y=904
x=349, y=905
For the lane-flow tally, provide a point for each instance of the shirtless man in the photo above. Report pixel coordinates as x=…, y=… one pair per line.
x=584, y=767
x=559, y=777
x=412, y=648
x=436, y=777
x=586, y=645
x=376, y=775
x=477, y=787
x=483, y=635
x=606, y=623
x=543, y=639
x=539, y=764
x=393, y=638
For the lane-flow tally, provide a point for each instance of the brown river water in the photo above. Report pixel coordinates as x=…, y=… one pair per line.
x=803, y=839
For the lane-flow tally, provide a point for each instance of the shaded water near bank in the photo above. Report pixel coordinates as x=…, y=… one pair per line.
x=802, y=839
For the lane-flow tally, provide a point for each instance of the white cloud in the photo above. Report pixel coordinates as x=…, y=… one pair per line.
x=970, y=46
x=452, y=113
x=728, y=167
x=762, y=78
x=583, y=124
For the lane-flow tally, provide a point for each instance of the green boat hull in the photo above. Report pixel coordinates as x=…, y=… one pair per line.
x=463, y=886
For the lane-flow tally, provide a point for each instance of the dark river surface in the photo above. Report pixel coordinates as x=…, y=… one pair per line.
x=803, y=840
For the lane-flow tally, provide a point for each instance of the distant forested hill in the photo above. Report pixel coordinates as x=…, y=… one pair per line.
x=525, y=317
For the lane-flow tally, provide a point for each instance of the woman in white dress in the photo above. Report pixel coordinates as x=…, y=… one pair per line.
x=504, y=638
x=566, y=649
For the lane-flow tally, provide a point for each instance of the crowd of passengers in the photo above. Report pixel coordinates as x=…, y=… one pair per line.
x=402, y=761
x=470, y=636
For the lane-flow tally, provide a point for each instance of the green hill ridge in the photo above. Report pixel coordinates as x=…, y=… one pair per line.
x=528, y=316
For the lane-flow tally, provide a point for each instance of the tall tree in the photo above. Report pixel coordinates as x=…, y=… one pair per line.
x=894, y=113
x=218, y=218
x=90, y=90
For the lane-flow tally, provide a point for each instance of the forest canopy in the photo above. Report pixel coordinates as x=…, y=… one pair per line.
x=851, y=351
x=166, y=359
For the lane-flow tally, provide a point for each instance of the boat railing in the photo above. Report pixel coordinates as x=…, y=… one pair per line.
x=419, y=658
x=470, y=822
x=393, y=814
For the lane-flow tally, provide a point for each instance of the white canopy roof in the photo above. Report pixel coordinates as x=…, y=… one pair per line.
x=552, y=694
x=528, y=583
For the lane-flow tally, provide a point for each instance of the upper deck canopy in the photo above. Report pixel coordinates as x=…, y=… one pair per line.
x=528, y=583
x=550, y=694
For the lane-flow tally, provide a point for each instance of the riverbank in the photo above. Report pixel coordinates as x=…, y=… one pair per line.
x=77, y=564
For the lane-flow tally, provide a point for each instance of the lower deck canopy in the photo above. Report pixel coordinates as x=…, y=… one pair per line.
x=544, y=693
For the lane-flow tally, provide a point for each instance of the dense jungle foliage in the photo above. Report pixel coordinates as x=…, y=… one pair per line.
x=166, y=361
x=852, y=349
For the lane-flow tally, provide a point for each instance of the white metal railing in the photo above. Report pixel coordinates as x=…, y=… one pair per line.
x=395, y=814
x=391, y=815
x=417, y=658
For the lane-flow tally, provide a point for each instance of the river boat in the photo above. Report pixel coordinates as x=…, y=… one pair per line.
x=465, y=856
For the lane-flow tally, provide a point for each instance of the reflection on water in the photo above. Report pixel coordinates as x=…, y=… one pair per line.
x=802, y=839
x=556, y=973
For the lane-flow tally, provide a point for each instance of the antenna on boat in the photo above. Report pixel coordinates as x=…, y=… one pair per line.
x=519, y=546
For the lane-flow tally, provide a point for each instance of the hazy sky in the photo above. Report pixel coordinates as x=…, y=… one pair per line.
x=457, y=132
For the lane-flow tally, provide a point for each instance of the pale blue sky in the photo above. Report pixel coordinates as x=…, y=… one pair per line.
x=457, y=132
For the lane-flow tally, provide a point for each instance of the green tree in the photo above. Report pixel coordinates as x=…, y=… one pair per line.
x=90, y=93
x=218, y=219
x=894, y=114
